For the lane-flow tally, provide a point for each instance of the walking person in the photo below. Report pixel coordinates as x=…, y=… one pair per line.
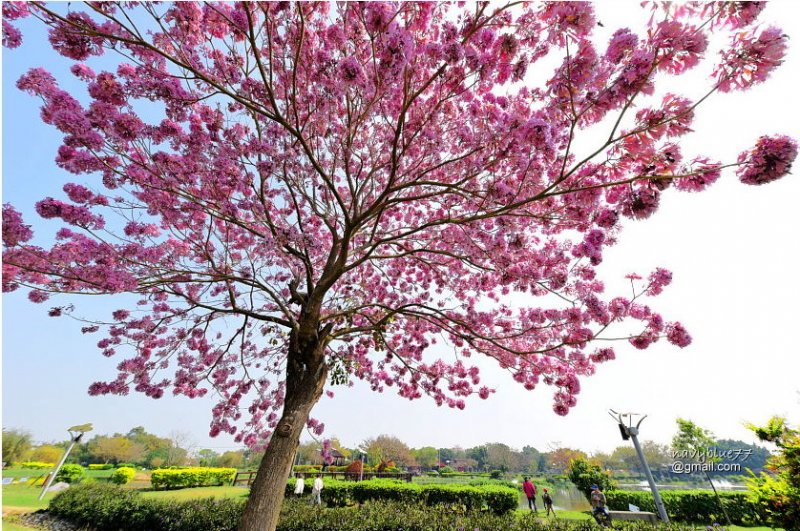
x=299, y=486
x=599, y=510
x=547, y=500
x=316, y=491
x=530, y=491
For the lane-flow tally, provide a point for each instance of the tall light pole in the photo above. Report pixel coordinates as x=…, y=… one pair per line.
x=628, y=431
x=75, y=435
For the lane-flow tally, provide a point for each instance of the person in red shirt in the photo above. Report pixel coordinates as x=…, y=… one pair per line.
x=530, y=491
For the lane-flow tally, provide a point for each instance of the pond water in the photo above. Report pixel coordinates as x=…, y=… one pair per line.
x=567, y=498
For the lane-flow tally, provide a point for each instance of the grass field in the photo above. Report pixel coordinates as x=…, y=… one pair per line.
x=24, y=496
x=10, y=524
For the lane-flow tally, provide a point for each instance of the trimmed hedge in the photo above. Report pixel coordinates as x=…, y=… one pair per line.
x=101, y=466
x=176, y=478
x=497, y=499
x=307, y=469
x=698, y=506
x=108, y=508
x=36, y=465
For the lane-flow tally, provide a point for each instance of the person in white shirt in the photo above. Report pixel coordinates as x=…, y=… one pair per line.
x=316, y=491
x=299, y=486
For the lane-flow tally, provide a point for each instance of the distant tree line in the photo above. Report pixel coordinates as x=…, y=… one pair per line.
x=144, y=449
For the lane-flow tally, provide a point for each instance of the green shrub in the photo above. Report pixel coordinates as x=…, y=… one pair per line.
x=446, y=470
x=496, y=474
x=101, y=466
x=36, y=465
x=176, y=478
x=699, y=506
x=70, y=473
x=123, y=475
x=125, y=465
x=584, y=474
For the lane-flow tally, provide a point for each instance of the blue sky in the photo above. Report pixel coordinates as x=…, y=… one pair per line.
x=733, y=251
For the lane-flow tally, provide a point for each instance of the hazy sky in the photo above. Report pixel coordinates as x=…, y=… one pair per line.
x=733, y=252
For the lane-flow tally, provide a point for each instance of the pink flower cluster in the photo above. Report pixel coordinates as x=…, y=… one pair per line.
x=770, y=159
x=751, y=59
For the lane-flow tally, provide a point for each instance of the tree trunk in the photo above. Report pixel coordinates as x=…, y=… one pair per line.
x=719, y=500
x=305, y=381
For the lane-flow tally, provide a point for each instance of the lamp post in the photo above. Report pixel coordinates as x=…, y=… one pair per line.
x=363, y=463
x=75, y=435
x=630, y=432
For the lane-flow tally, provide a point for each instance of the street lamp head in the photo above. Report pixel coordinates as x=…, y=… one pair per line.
x=81, y=428
x=76, y=432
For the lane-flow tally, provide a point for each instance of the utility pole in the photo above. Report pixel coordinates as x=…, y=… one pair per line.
x=630, y=432
x=75, y=438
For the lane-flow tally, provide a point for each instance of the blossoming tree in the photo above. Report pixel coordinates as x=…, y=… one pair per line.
x=301, y=194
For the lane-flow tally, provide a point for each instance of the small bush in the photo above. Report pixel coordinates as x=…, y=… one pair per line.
x=125, y=465
x=123, y=475
x=176, y=478
x=70, y=474
x=101, y=466
x=496, y=474
x=446, y=470
x=36, y=465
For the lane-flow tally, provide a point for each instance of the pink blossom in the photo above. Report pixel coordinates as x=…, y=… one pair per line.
x=641, y=342
x=106, y=88
x=350, y=72
x=574, y=19
x=770, y=159
x=12, y=37
x=622, y=43
x=72, y=42
x=83, y=72
x=751, y=60
x=640, y=203
x=681, y=45
x=14, y=230
x=36, y=81
x=677, y=335
x=705, y=173
x=38, y=296
x=377, y=15
x=738, y=14
x=659, y=279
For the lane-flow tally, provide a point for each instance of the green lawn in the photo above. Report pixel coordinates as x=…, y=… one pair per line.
x=11, y=524
x=24, y=496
